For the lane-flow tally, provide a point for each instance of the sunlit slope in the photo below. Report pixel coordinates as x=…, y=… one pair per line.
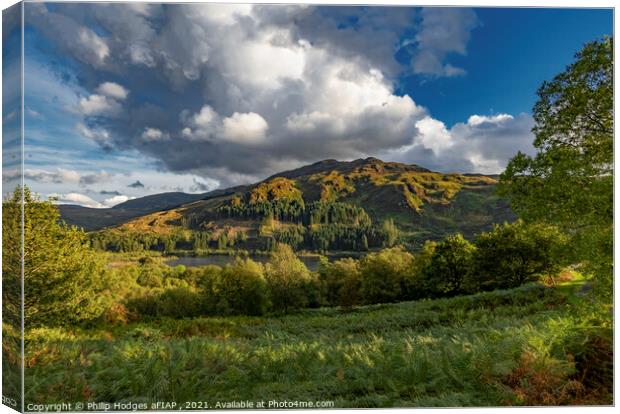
x=423, y=204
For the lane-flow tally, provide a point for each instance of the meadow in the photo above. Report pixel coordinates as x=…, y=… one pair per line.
x=533, y=345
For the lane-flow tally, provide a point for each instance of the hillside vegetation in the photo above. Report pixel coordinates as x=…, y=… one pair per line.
x=527, y=346
x=329, y=205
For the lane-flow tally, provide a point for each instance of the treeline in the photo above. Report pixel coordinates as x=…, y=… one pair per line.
x=319, y=226
x=506, y=257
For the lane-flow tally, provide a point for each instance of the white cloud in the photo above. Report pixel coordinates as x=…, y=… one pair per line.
x=154, y=134
x=113, y=90
x=483, y=144
x=288, y=78
x=99, y=105
x=433, y=134
x=75, y=198
x=244, y=128
x=112, y=201
x=475, y=120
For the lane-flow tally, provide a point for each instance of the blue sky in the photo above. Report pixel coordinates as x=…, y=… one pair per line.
x=125, y=100
x=509, y=55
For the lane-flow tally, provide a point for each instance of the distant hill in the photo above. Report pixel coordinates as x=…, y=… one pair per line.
x=98, y=218
x=326, y=205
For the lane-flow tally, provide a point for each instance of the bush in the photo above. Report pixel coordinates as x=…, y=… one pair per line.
x=513, y=254
x=291, y=284
x=387, y=276
x=63, y=277
x=343, y=280
x=241, y=289
x=442, y=270
x=178, y=302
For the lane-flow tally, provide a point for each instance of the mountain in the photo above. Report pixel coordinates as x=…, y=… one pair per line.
x=326, y=205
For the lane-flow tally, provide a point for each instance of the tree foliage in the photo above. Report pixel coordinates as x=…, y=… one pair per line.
x=289, y=280
x=241, y=289
x=444, y=271
x=569, y=182
x=62, y=275
x=386, y=275
x=516, y=253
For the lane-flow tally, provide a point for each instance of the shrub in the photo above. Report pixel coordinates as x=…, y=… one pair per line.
x=443, y=269
x=513, y=254
x=387, y=276
x=241, y=289
x=343, y=280
x=290, y=283
x=178, y=302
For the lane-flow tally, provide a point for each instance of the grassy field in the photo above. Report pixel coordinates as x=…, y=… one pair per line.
x=529, y=346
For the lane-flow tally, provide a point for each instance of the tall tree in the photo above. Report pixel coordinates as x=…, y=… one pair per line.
x=569, y=182
x=62, y=275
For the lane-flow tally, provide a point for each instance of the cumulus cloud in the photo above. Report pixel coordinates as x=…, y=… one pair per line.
x=86, y=201
x=154, y=134
x=244, y=128
x=237, y=92
x=117, y=199
x=75, y=198
x=112, y=90
x=483, y=144
x=99, y=105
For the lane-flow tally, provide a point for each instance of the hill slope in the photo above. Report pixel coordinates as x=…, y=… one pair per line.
x=329, y=205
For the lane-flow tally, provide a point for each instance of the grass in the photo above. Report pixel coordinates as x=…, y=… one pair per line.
x=498, y=348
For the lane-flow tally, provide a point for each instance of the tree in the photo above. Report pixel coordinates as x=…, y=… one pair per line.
x=569, y=182
x=343, y=281
x=62, y=275
x=244, y=287
x=390, y=231
x=386, y=275
x=448, y=263
x=513, y=254
x=290, y=283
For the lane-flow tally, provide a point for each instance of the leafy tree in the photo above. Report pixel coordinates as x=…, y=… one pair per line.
x=289, y=280
x=386, y=275
x=448, y=263
x=516, y=253
x=62, y=276
x=343, y=282
x=244, y=288
x=569, y=182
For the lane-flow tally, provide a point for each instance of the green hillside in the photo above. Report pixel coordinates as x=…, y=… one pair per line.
x=329, y=205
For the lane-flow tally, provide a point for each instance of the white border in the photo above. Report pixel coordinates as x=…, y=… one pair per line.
x=464, y=3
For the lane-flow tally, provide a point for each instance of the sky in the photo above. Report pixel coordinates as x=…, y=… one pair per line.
x=126, y=100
